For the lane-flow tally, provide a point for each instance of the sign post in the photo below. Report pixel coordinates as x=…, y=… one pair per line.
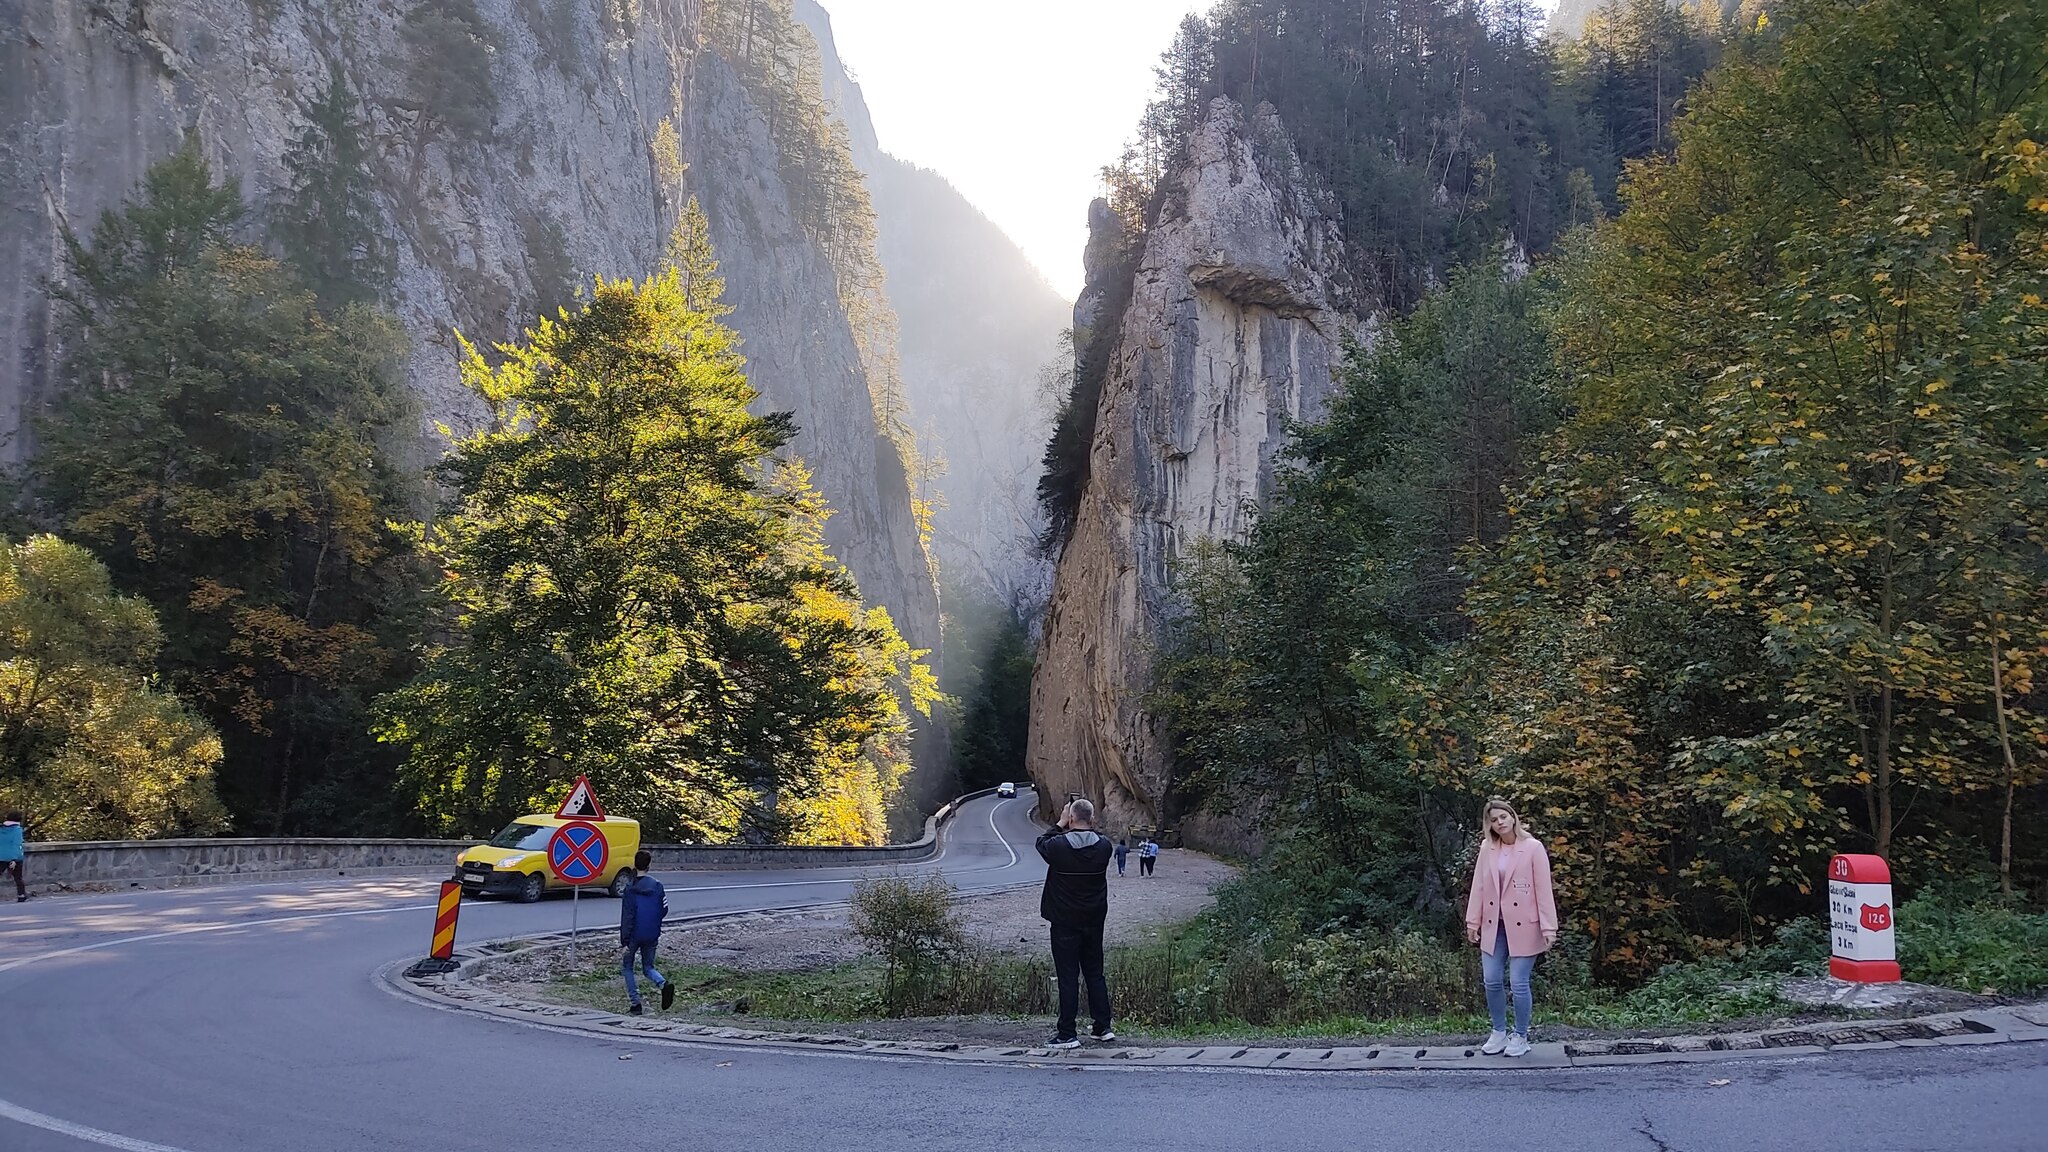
x=1860, y=920
x=578, y=852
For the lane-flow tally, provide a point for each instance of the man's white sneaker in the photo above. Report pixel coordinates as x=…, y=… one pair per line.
x=1494, y=1043
x=1518, y=1045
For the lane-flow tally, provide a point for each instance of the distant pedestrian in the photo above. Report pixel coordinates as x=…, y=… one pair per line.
x=1076, y=902
x=1512, y=916
x=1148, y=856
x=1123, y=849
x=13, y=853
x=641, y=912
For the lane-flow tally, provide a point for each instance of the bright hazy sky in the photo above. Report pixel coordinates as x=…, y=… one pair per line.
x=1019, y=105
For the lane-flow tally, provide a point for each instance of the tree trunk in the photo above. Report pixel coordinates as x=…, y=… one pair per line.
x=2012, y=769
x=1882, y=832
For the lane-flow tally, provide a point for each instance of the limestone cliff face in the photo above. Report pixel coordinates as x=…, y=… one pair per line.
x=561, y=183
x=976, y=324
x=1237, y=312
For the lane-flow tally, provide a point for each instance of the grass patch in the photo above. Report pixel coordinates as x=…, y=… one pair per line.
x=1184, y=985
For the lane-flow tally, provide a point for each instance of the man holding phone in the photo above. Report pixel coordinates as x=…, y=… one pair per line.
x=1076, y=902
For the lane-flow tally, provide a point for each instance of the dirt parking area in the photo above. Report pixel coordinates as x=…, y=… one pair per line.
x=1007, y=921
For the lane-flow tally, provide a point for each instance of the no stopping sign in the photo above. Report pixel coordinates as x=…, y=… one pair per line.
x=577, y=853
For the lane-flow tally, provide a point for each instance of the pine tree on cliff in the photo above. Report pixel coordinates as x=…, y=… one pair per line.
x=695, y=264
x=327, y=223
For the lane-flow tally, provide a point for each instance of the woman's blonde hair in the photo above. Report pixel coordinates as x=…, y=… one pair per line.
x=1499, y=805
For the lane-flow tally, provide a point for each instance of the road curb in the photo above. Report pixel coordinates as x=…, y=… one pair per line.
x=460, y=990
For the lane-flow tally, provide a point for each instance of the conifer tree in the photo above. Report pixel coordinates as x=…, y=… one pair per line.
x=691, y=257
x=642, y=595
x=327, y=224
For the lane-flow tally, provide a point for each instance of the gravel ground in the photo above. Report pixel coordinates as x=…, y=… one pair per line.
x=1006, y=921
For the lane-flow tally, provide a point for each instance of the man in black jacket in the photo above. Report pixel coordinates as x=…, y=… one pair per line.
x=1075, y=903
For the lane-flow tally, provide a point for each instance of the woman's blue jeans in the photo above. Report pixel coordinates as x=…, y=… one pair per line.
x=1494, y=966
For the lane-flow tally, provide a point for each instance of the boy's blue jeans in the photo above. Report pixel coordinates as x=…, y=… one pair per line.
x=646, y=950
x=1517, y=969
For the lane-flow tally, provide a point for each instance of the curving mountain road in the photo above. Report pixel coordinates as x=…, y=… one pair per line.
x=245, y=1017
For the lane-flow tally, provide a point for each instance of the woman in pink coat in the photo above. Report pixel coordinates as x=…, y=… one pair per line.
x=1512, y=916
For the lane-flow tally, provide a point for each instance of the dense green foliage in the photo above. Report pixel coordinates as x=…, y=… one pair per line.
x=987, y=679
x=1777, y=589
x=1773, y=586
x=1627, y=74
x=641, y=596
x=90, y=746
x=216, y=439
x=1115, y=253
x=1297, y=645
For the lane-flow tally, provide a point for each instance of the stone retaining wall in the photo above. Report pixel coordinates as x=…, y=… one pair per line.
x=80, y=865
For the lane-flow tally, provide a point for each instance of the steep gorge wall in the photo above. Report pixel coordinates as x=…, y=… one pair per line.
x=1236, y=317
x=976, y=325
x=562, y=183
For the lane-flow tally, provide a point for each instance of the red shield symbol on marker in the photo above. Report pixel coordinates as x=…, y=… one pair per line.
x=1878, y=917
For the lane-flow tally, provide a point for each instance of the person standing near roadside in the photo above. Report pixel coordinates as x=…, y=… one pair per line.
x=14, y=853
x=1075, y=903
x=641, y=911
x=1148, y=856
x=1123, y=849
x=1512, y=916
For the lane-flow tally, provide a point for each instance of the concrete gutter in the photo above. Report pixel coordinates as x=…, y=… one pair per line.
x=463, y=990
x=78, y=865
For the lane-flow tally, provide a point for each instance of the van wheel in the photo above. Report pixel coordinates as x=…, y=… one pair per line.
x=532, y=889
x=619, y=885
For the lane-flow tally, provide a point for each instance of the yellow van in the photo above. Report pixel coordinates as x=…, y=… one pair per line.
x=515, y=861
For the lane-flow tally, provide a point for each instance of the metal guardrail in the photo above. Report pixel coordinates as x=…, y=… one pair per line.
x=78, y=864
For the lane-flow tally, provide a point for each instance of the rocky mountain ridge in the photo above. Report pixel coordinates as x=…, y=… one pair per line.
x=560, y=178
x=1239, y=307
x=976, y=324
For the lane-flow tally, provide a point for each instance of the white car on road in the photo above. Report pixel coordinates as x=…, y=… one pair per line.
x=1006, y=788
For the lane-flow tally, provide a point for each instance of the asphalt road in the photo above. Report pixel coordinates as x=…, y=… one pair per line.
x=245, y=1018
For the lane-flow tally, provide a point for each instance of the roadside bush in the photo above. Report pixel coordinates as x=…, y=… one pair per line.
x=1991, y=944
x=911, y=925
x=1702, y=990
x=1404, y=974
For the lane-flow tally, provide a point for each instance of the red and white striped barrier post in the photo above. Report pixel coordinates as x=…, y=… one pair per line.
x=441, y=957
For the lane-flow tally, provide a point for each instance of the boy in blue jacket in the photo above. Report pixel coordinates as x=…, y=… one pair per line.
x=641, y=912
x=12, y=852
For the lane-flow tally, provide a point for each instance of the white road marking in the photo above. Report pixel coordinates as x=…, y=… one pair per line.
x=34, y=1119
x=21, y=1115
x=229, y=926
x=1000, y=838
x=192, y=929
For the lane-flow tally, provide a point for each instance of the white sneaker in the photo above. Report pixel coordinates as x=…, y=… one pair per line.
x=1494, y=1043
x=1518, y=1045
